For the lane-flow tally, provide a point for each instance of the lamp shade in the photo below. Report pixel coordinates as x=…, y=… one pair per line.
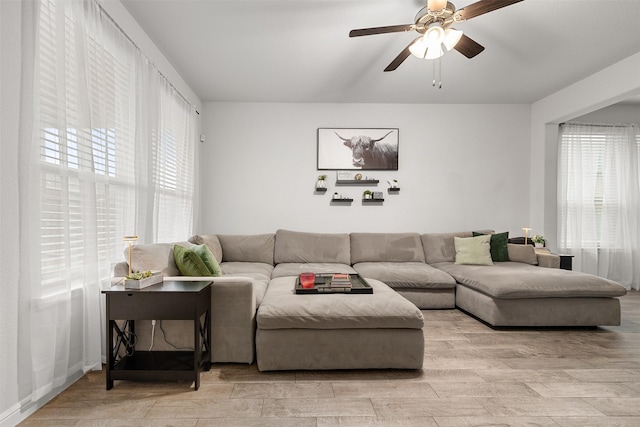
x=418, y=48
x=434, y=52
x=434, y=35
x=436, y=5
x=451, y=38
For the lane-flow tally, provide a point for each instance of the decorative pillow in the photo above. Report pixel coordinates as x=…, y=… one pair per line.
x=522, y=253
x=208, y=258
x=189, y=263
x=473, y=250
x=499, y=251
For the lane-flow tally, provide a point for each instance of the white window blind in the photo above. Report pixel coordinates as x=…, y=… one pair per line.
x=99, y=135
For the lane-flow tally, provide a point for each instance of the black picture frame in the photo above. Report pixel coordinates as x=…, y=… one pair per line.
x=358, y=148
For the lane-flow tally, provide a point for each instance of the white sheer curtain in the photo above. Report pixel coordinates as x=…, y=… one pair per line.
x=599, y=200
x=107, y=150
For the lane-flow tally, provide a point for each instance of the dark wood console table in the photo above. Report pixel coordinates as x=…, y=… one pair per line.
x=166, y=301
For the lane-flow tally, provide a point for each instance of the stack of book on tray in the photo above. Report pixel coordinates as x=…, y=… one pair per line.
x=340, y=281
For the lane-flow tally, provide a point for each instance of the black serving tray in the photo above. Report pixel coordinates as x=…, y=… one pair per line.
x=322, y=286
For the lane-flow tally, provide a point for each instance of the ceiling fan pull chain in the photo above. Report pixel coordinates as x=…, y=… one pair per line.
x=440, y=72
x=433, y=73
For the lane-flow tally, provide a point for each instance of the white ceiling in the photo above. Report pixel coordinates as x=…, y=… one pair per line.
x=299, y=50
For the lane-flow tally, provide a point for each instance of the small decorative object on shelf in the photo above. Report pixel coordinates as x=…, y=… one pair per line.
x=393, y=183
x=139, y=280
x=377, y=195
x=538, y=241
x=321, y=183
x=340, y=198
x=367, y=194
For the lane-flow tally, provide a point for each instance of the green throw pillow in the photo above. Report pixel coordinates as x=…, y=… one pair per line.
x=209, y=260
x=189, y=263
x=499, y=251
x=473, y=250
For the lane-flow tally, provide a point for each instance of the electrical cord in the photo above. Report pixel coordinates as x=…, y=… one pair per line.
x=153, y=332
x=164, y=335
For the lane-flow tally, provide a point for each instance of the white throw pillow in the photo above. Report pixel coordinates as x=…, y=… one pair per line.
x=473, y=250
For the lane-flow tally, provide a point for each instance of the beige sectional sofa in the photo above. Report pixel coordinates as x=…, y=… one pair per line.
x=256, y=315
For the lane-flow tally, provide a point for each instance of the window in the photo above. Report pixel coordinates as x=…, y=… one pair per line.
x=599, y=199
x=110, y=163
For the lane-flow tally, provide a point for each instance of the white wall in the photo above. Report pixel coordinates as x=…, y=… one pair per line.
x=613, y=114
x=9, y=101
x=615, y=83
x=461, y=167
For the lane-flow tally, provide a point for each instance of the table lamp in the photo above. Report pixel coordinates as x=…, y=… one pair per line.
x=526, y=234
x=130, y=239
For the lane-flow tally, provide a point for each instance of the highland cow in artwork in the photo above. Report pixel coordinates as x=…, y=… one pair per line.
x=369, y=149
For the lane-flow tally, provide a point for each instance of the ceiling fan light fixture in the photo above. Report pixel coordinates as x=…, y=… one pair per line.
x=434, y=36
x=436, y=5
x=451, y=38
x=434, y=52
x=419, y=48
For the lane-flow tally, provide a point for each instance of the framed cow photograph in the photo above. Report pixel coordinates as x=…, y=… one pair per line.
x=358, y=149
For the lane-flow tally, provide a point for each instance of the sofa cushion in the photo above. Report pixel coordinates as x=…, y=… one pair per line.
x=404, y=275
x=295, y=268
x=522, y=253
x=438, y=247
x=250, y=269
x=155, y=257
x=513, y=280
x=302, y=247
x=212, y=242
x=473, y=250
x=390, y=247
x=499, y=251
x=281, y=308
x=247, y=248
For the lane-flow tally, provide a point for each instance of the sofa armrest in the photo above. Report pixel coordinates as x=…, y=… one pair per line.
x=233, y=320
x=121, y=269
x=547, y=259
x=233, y=317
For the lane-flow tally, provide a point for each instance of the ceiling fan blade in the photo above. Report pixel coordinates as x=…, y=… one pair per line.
x=400, y=58
x=381, y=30
x=468, y=47
x=484, y=6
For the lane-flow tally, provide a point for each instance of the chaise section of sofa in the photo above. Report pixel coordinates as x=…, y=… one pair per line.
x=520, y=292
x=397, y=259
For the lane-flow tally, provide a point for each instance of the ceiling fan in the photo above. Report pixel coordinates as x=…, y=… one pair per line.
x=434, y=22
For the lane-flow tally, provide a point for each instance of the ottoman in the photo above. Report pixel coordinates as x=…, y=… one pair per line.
x=337, y=331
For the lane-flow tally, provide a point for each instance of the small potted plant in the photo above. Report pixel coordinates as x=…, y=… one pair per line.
x=366, y=194
x=142, y=279
x=538, y=241
x=321, y=182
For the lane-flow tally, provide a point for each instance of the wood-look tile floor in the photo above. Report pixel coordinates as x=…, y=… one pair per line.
x=473, y=376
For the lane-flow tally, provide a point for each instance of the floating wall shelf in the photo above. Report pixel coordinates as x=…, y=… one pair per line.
x=357, y=181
